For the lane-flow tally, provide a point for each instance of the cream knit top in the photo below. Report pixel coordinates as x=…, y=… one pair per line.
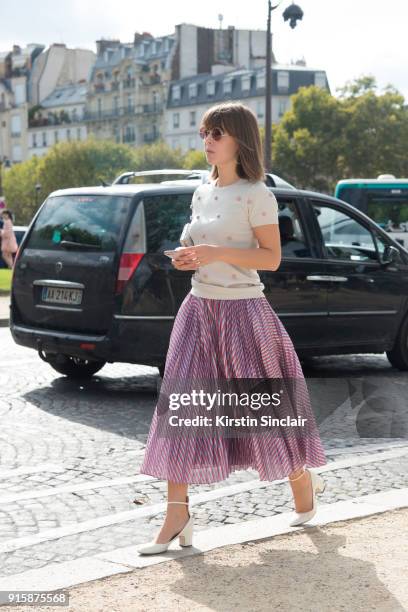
x=225, y=216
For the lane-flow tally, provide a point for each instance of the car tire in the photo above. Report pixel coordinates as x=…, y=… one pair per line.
x=398, y=355
x=73, y=367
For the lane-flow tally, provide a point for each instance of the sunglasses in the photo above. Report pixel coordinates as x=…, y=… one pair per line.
x=216, y=133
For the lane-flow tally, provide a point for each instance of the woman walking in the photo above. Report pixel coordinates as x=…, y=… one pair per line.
x=9, y=244
x=225, y=328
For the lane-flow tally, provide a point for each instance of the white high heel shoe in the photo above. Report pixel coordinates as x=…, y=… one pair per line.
x=318, y=486
x=185, y=536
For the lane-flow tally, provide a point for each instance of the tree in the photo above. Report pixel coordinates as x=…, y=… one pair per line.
x=306, y=142
x=362, y=133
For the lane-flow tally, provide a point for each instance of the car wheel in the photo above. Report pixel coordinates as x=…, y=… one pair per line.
x=74, y=367
x=398, y=355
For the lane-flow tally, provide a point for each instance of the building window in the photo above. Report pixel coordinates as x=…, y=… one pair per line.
x=34, y=141
x=68, y=134
x=210, y=88
x=116, y=133
x=99, y=103
x=260, y=80
x=175, y=94
x=192, y=143
x=193, y=118
x=129, y=133
x=227, y=86
x=320, y=79
x=283, y=80
x=260, y=108
x=20, y=93
x=78, y=133
x=246, y=83
x=44, y=139
x=282, y=107
x=176, y=120
x=192, y=90
x=130, y=103
x=56, y=136
x=16, y=152
x=16, y=125
x=115, y=104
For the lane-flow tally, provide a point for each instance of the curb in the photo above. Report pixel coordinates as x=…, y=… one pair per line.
x=126, y=560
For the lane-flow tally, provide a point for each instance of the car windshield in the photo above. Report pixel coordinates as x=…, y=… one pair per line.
x=86, y=222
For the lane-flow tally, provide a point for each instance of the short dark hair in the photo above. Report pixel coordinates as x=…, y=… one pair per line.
x=8, y=212
x=240, y=122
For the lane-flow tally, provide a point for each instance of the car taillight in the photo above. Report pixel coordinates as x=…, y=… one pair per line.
x=127, y=266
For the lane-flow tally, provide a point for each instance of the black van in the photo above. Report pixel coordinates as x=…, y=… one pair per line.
x=91, y=284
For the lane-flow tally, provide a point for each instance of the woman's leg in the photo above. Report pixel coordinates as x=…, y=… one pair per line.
x=176, y=514
x=301, y=490
x=7, y=258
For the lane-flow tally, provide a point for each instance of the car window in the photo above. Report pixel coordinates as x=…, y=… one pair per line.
x=343, y=236
x=94, y=221
x=165, y=216
x=293, y=241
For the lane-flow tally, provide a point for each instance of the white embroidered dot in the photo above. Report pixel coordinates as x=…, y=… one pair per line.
x=203, y=236
x=263, y=213
x=234, y=275
x=229, y=237
x=238, y=198
x=218, y=216
x=205, y=275
x=215, y=197
x=249, y=202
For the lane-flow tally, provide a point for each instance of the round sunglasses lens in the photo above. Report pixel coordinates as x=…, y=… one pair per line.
x=216, y=133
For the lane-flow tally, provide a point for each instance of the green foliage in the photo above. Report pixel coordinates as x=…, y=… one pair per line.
x=78, y=164
x=196, y=160
x=5, y=280
x=19, y=189
x=361, y=133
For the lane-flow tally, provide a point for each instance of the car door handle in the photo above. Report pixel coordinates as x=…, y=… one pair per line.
x=326, y=277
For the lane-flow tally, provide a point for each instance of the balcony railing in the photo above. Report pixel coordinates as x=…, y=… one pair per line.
x=123, y=111
x=128, y=83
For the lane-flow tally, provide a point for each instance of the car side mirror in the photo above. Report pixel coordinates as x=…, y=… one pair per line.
x=389, y=255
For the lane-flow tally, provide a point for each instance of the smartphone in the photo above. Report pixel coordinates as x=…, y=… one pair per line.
x=171, y=253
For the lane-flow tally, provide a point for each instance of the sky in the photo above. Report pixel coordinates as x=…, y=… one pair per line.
x=346, y=38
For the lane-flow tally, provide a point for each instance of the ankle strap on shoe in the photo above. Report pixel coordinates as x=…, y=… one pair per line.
x=179, y=502
x=297, y=477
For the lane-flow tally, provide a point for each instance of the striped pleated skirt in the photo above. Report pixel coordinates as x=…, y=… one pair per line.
x=222, y=339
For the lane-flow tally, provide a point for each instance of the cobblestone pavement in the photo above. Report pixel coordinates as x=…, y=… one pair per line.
x=70, y=454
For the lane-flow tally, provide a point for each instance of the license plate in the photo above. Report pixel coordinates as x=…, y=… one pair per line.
x=61, y=295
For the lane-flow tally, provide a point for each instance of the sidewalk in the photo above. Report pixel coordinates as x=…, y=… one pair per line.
x=358, y=563
x=4, y=310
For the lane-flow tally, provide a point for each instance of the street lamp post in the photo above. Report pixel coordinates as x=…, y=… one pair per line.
x=293, y=13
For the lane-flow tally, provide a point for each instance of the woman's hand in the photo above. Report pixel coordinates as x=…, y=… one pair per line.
x=192, y=257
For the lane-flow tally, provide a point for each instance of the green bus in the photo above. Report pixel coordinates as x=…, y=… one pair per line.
x=384, y=199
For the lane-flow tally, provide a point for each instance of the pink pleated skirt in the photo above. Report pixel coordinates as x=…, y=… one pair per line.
x=240, y=338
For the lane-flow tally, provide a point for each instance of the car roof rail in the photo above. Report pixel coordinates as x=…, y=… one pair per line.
x=123, y=179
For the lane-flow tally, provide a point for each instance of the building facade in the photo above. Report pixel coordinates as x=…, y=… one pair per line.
x=189, y=98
